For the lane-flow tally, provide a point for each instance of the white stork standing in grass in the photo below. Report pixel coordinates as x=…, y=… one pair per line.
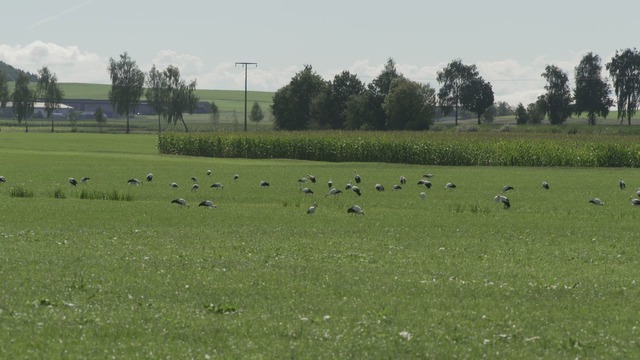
x=379, y=187
x=333, y=192
x=302, y=180
x=312, y=178
x=208, y=172
x=403, y=180
x=635, y=202
x=236, y=177
x=2, y=179
x=330, y=183
x=450, y=186
x=174, y=185
x=596, y=201
x=397, y=187
x=207, y=203
x=264, y=183
x=638, y=192
x=423, y=195
x=357, y=177
x=134, y=181
x=73, y=181
x=504, y=200
x=85, y=179
x=622, y=184
x=306, y=191
x=149, y=177
x=194, y=179
x=355, y=209
x=356, y=190
x=180, y=202
x=217, y=185
x=349, y=186
x=507, y=188
x=312, y=208
x=428, y=176
x=545, y=185
x=195, y=187
x=426, y=183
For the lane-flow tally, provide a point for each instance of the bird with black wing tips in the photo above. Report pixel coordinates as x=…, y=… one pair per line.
x=333, y=192
x=73, y=181
x=355, y=209
x=207, y=203
x=149, y=177
x=596, y=201
x=504, y=200
x=312, y=208
x=180, y=202
x=545, y=185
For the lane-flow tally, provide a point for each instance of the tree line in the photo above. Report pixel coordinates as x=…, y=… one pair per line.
x=393, y=102
x=169, y=95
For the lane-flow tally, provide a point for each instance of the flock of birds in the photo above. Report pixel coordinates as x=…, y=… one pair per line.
x=333, y=191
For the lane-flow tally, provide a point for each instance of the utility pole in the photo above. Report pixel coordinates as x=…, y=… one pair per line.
x=246, y=65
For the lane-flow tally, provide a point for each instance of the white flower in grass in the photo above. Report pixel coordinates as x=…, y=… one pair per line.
x=405, y=335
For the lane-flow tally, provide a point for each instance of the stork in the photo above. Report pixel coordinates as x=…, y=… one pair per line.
x=73, y=181
x=2, y=179
x=356, y=190
x=195, y=187
x=312, y=208
x=428, y=176
x=306, y=190
x=194, y=179
x=545, y=185
x=349, y=186
x=355, y=209
x=149, y=177
x=423, y=195
x=635, y=202
x=236, y=177
x=134, y=181
x=208, y=172
x=180, y=202
x=504, y=200
x=330, y=183
x=84, y=179
x=426, y=183
x=596, y=201
x=397, y=187
x=638, y=192
x=264, y=183
x=450, y=186
x=507, y=188
x=312, y=178
x=379, y=187
x=217, y=185
x=333, y=191
x=403, y=180
x=357, y=177
x=302, y=180
x=622, y=184
x=207, y=203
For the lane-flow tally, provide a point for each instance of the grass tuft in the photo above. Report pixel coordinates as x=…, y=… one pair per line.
x=108, y=195
x=19, y=191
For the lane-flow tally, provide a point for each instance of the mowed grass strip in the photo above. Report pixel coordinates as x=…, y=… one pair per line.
x=450, y=275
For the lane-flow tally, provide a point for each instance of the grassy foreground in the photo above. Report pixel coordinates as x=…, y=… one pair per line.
x=450, y=276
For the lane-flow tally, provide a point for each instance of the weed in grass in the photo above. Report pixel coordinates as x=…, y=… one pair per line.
x=58, y=194
x=20, y=192
x=108, y=195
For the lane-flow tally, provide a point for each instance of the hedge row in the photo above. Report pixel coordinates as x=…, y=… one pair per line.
x=413, y=148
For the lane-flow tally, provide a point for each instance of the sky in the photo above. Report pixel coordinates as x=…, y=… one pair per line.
x=511, y=42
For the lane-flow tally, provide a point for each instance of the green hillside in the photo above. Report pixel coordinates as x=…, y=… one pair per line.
x=226, y=100
x=12, y=73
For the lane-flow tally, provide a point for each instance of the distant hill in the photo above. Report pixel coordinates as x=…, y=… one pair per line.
x=11, y=73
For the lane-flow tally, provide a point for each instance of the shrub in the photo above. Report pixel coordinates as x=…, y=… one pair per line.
x=19, y=191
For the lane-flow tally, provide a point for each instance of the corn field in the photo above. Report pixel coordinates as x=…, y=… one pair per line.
x=453, y=149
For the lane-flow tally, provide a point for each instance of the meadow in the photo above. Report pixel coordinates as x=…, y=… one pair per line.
x=453, y=275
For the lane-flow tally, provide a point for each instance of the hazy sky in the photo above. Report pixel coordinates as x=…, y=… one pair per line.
x=511, y=41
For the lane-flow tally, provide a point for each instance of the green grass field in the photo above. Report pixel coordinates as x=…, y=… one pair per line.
x=453, y=275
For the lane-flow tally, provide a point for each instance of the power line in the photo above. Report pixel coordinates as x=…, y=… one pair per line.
x=246, y=65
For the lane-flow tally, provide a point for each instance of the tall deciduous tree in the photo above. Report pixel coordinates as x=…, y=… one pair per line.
x=452, y=79
x=378, y=90
x=127, y=85
x=49, y=90
x=477, y=96
x=23, y=99
x=328, y=107
x=592, y=92
x=156, y=92
x=522, y=116
x=180, y=96
x=4, y=90
x=409, y=105
x=557, y=99
x=291, y=105
x=625, y=72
